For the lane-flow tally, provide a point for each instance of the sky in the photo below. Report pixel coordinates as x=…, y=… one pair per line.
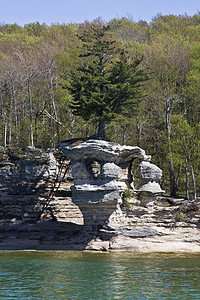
x=77, y=11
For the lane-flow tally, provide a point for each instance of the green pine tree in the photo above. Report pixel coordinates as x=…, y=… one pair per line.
x=106, y=84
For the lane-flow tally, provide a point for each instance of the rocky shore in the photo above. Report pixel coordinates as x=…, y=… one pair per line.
x=37, y=212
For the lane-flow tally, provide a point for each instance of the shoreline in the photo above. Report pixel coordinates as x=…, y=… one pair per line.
x=155, y=244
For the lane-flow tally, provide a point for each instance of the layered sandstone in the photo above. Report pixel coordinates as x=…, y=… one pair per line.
x=37, y=211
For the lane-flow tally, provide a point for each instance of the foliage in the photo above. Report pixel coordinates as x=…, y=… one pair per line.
x=105, y=86
x=100, y=63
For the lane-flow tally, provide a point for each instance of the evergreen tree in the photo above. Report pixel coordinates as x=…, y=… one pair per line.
x=106, y=84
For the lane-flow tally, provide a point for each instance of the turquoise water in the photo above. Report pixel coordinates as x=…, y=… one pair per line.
x=58, y=275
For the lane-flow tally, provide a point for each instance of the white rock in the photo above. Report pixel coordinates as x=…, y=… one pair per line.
x=149, y=171
x=153, y=187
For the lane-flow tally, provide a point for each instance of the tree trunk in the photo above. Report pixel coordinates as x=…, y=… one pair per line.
x=52, y=132
x=16, y=120
x=72, y=127
x=13, y=93
x=171, y=169
x=194, y=184
x=9, y=130
x=101, y=130
x=87, y=132
x=187, y=182
x=5, y=135
x=172, y=180
x=58, y=133
x=54, y=112
x=36, y=131
x=43, y=130
x=124, y=129
x=139, y=131
x=30, y=113
x=178, y=176
x=169, y=106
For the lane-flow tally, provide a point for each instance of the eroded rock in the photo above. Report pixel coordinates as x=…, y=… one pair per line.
x=112, y=174
x=102, y=172
x=150, y=176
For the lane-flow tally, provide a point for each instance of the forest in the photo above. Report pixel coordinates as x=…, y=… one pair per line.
x=46, y=70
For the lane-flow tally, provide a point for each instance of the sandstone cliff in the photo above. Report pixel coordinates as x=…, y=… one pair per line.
x=37, y=212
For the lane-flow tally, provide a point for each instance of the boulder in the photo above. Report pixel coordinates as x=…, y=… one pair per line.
x=150, y=176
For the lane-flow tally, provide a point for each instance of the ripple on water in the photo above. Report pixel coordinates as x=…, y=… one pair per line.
x=61, y=275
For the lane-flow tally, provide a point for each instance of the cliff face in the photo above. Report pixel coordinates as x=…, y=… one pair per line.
x=37, y=212
x=35, y=197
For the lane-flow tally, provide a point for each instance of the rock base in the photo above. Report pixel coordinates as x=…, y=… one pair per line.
x=157, y=228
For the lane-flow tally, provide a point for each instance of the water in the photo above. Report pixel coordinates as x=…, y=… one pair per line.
x=58, y=275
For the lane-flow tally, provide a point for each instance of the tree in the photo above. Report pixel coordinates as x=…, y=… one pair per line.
x=9, y=82
x=168, y=60
x=185, y=140
x=107, y=84
x=30, y=70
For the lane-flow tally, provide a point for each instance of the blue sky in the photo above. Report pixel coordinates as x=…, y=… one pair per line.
x=77, y=11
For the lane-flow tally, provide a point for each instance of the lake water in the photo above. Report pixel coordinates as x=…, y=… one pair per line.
x=58, y=275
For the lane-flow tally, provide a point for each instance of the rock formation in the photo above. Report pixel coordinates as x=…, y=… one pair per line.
x=150, y=176
x=102, y=172
x=37, y=212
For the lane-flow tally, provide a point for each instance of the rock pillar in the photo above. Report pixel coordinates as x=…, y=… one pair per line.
x=102, y=172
